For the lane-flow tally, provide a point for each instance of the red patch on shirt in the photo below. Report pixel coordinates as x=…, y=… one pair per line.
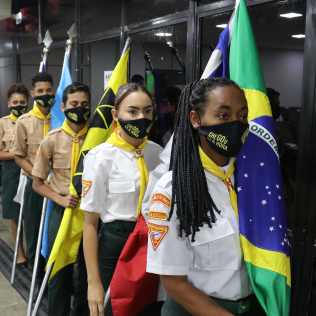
x=157, y=234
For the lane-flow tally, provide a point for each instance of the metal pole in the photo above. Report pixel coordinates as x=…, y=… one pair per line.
x=17, y=241
x=106, y=297
x=42, y=289
x=37, y=255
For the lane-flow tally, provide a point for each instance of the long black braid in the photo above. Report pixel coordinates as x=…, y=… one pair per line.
x=195, y=206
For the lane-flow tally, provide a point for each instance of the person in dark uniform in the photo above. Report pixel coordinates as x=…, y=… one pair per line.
x=17, y=103
x=57, y=155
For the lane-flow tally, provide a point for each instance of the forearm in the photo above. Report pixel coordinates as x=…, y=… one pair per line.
x=90, y=248
x=193, y=300
x=44, y=190
x=24, y=164
x=5, y=155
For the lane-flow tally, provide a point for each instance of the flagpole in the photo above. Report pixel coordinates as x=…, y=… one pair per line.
x=42, y=289
x=17, y=240
x=47, y=44
x=106, y=297
x=37, y=255
x=71, y=35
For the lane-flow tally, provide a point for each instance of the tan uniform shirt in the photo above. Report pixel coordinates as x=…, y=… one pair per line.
x=7, y=133
x=29, y=134
x=54, y=155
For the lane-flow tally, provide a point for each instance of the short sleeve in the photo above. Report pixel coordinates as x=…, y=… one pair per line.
x=20, y=146
x=43, y=158
x=167, y=253
x=94, y=179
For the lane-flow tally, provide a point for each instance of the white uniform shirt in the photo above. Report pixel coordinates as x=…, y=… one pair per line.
x=213, y=263
x=111, y=181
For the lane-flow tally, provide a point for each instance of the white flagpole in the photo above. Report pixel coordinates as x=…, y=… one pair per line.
x=37, y=255
x=71, y=34
x=41, y=291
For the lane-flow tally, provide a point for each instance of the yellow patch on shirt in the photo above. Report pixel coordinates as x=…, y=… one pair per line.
x=159, y=197
x=86, y=185
x=157, y=234
x=162, y=216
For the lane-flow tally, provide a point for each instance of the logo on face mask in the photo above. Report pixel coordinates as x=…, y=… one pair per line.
x=18, y=110
x=78, y=115
x=136, y=128
x=45, y=101
x=226, y=138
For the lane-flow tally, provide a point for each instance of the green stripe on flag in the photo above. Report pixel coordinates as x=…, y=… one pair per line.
x=244, y=63
x=262, y=279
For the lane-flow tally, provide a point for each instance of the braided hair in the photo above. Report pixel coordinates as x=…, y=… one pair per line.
x=195, y=205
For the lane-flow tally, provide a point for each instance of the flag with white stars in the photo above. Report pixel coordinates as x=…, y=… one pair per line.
x=262, y=220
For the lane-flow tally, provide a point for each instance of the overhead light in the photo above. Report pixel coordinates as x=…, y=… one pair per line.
x=170, y=43
x=163, y=34
x=291, y=15
x=159, y=22
x=221, y=26
x=298, y=36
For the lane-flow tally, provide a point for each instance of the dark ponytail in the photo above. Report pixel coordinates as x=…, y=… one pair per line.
x=195, y=206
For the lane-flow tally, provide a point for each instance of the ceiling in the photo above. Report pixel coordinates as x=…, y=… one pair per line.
x=270, y=30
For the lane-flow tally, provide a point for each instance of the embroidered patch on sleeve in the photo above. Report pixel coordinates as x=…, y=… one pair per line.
x=159, y=197
x=162, y=216
x=157, y=234
x=86, y=185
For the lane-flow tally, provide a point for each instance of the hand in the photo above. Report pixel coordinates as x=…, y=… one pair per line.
x=68, y=201
x=96, y=299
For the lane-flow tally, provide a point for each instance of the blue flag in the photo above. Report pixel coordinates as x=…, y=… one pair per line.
x=57, y=119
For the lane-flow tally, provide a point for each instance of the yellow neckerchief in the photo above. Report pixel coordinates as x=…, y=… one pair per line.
x=209, y=165
x=36, y=112
x=75, y=149
x=12, y=117
x=119, y=142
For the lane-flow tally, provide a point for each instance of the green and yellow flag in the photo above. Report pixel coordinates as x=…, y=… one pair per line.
x=67, y=242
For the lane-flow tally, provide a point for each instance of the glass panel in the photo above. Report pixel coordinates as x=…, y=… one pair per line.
x=142, y=10
x=98, y=16
x=166, y=49
x=104, y=56
x=282, y=58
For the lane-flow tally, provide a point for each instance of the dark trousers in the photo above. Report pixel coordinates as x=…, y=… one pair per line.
x=112, y=239
x=32, y=210
x=70, y=280
x=10, y=181
x=171, y=308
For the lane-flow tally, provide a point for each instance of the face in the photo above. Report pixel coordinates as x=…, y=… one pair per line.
x=224, y=105
x=17, y=99
x=42, y=88
x=76, y=100
x=137, y=105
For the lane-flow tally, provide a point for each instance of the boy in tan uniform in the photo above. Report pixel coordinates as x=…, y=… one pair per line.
x=57, y=155
x=30, y=130
x=17, y=103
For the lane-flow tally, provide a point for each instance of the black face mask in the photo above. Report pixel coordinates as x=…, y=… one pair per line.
x=78, y=115
x=46, y=100
x=226, y=138
x=136, y=128
x=18, y=110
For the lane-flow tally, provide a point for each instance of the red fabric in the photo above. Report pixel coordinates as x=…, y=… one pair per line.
x=132, y=288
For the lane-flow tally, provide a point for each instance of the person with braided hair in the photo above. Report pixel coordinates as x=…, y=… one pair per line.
x=193, y=234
